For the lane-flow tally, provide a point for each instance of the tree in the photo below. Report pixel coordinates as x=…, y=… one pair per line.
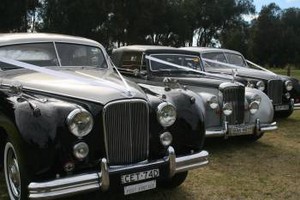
x=266, y=37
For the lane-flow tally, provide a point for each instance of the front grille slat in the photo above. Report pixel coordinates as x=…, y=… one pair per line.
x=275, y=91
x=126, y=131
x=235, y=96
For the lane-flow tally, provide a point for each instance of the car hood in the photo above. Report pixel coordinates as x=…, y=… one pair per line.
x=101, y=86
x=247, y=73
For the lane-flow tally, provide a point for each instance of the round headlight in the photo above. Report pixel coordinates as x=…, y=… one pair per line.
x=288, y=85
x=260, y=85
x=287, y=95
x=256, y=98
x=227, y=109
x=80, y=122
x=81, y=150
x=213, y=102
x=166, y=139
x=250, y=85
x=253, y=107
x=166, y=114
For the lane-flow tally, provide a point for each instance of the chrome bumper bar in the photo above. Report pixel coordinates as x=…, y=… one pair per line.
x=297, y=106
x=258, y=127
x=100, y=180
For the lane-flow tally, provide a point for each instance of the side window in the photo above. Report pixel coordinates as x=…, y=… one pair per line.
x=131, y=61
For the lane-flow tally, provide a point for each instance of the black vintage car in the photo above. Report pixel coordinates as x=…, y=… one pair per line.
x=70, y=123
x=282, y=90
x=231, y=109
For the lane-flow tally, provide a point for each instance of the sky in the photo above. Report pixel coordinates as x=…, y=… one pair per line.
x=283, y=4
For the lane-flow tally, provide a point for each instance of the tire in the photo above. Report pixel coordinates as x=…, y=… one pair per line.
x=15, y=176
x=175, y=181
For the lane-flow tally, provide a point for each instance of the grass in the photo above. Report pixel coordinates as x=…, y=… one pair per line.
x=294, y=72
x=266, y=169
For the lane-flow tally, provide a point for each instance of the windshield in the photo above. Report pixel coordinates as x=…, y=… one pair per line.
x=221, y=60
x=170, y=62
x=47, y=55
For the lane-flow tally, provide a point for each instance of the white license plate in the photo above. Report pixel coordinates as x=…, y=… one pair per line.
x=241, y=130
x=130, y=189
x=139, y=176
x=282, y=107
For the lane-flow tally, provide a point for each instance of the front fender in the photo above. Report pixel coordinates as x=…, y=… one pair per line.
x=266, y=110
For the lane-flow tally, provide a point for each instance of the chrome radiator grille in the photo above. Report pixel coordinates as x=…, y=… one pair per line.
x=126, y=131
x=275, y=90
x=235, y=96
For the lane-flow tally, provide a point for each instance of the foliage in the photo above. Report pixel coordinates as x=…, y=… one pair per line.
x=270, y=40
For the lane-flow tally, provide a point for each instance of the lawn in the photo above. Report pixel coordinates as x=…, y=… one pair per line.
x=294, y=72
x=266, y=169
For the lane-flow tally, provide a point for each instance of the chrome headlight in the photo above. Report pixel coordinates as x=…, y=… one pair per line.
x=287, y=95
x=81, y=150
x=288, y=85
x=213, y=102
x=80, y=122
x=166, y=139
x=166, y=114
x=256, y=97
x=250, y=85
x=227, y=109
x=253, y=107
x=260, y=85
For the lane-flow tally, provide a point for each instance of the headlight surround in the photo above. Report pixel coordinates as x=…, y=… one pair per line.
x=255, y=97
x=166, y=114
x=253, y=107
x=80, y=122
x=227, y=109
x=288, y=85
x=260, y=85
x=213, y=102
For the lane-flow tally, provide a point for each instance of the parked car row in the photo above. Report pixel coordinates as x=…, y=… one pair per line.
x=75, y=120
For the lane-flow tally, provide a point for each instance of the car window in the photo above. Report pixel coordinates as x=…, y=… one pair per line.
x=215, y=56
x=80, y=55
x=235, y=59
x=41, y=54
x=131, y=61
x=177, y=59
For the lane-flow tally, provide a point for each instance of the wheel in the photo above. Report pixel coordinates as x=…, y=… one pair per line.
x=175, y=181
x=14, y=174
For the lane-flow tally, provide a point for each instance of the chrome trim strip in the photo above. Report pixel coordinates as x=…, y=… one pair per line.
x=297, y=106
x=76, y=184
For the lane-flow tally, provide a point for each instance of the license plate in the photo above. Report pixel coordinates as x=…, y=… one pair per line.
x=139, y=176
x=130, y=189
x=282, y=107
x=240, y=130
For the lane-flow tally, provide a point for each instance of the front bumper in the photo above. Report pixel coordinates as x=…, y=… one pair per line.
x=101, y=180
x=252, y=129
x=297, y=106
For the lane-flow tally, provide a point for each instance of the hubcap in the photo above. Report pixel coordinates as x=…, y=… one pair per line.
x=12, y=172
